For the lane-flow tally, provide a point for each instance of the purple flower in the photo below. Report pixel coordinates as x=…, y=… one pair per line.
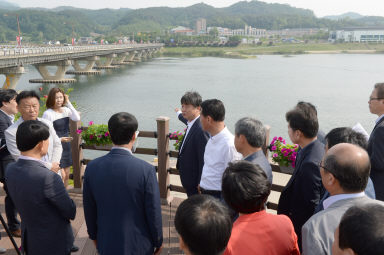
x=286, y=154
x=90, y=123
x=99, y=136
x=90, y=137
x=275, y=155
x=273, y=148
x=280, y=138
x=106, y=134
x=79, y=131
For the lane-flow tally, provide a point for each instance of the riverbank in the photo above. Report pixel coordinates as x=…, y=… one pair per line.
x=250, y=51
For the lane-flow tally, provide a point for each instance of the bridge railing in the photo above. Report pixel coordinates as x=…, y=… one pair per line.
x=163, y=153
x=11, y=52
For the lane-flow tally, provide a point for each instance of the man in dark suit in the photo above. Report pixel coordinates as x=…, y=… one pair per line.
x=39, y=195
x=8, y=108
x=302, y=194
x=376, y=140
x=249, y=139
x=121, y=196
x=190, y=160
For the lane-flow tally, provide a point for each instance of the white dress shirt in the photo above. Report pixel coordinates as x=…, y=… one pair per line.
x=219, y=151
x=54, y=149
x=332, y=199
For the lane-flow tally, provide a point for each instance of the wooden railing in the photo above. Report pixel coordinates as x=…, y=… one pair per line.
x=162, y=152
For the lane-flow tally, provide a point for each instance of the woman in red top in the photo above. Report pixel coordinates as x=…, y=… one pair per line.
x=245, y=189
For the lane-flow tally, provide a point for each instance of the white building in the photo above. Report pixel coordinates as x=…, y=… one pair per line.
x=358, y=35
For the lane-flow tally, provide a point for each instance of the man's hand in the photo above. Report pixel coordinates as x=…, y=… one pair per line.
x=177, y=109
x=63, y=174
x=158, y=250
x=66, y=139
x=198, y=188
x=55, y=167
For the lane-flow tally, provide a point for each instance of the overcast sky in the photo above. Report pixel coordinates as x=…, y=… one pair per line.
x=320, y=7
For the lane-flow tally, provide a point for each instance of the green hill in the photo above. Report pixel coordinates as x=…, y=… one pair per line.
x=39, y=24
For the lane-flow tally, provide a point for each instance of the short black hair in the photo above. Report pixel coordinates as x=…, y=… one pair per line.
x=252, y=129
x=380, y=89
x=27, y=94
x=245, y=187
x=122, y=126
x=345, y=135
x=30, y=133
x=204, y=224
x=191, y=98
x=352, y=175
x=362, y=229
x=304, y=118
x=6, y=95
x=213, y=108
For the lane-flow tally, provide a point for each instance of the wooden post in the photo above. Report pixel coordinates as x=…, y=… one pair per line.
x=163, y=158
x=266, y=144
x=77, y=154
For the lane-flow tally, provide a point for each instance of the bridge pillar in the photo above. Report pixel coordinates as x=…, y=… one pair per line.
x=107, y=63
x=138, y=56
x=120, y=60
x=130, y=59
x=87, y=68
x=57, y=77
x=12, y=76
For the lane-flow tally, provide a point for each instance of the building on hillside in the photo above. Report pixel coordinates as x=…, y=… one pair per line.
x=294, y=32
x=201, y=26
x=181, y=30
x=361, y=35
x=254, y=32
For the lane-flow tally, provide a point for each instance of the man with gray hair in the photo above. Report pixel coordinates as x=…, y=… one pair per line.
x=249, y=139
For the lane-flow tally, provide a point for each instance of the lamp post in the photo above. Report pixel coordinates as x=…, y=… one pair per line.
x=18, y=38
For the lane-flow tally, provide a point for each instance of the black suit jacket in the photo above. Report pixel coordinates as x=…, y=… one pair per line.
x=44, y=205
x=376, y=154
x=190, y=160
x=122, y=204
x=5, y=156
x=304, y=190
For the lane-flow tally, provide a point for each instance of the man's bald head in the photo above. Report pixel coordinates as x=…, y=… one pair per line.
x=350, y=165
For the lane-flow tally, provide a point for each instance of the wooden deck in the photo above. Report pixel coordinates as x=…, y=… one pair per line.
x=170, y=244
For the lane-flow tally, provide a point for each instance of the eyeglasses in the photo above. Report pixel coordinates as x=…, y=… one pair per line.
x=328, y=170
x=375, y=98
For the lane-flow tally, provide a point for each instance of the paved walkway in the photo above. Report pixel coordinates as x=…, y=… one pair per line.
x=170, y=245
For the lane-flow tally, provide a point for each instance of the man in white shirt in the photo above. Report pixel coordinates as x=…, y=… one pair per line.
x=220, y=149
x=376, y=140
x=344, y=173
x=28, y=105
x=190, y=160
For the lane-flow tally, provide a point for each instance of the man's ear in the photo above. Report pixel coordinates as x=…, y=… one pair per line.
x=183, y=246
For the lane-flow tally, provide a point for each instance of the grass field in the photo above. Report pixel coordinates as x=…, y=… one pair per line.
x=245, y=51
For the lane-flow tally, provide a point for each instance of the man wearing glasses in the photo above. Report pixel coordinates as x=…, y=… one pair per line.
x=344, y=174
x=376, y=140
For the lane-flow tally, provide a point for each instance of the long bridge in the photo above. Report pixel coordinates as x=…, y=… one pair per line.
x=86, y=60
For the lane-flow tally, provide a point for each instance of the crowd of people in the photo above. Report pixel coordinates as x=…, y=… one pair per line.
x=332, y=204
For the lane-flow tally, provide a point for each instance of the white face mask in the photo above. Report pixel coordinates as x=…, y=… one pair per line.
x=136, y=143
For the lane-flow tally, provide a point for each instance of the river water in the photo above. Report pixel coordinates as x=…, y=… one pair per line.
x=266, y=87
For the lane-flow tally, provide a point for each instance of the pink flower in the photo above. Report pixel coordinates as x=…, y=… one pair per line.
x=45, y=96
x=275, y=155
x=273, y=148
x=286, y=154
x=280, y=138
x=41, y=88
x=99, y=136
x=79, y=131
x=90, y=137
x=293, y=164
x=106, y=134
x=90, y=123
